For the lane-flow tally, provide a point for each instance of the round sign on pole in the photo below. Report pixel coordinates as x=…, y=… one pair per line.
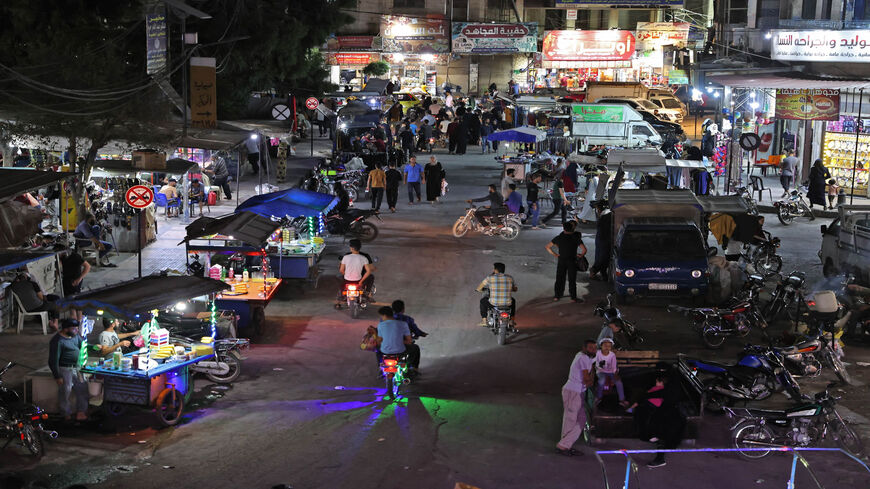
x=139, y=196
x=750, y=141
x=311, y=103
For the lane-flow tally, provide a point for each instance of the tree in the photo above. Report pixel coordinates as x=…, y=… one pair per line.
x=277, y=47
x=377, y=68
x=76, y=69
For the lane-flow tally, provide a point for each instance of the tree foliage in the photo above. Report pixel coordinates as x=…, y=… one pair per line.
x=377, y=68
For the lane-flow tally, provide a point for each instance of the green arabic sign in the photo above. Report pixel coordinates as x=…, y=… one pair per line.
x=597, y=113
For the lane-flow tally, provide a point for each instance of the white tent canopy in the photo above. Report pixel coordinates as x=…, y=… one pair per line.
x=646, y=161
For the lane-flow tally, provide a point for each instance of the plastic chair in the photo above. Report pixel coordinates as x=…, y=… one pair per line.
x=757, y=185
x=160, y=200
x=43, y=315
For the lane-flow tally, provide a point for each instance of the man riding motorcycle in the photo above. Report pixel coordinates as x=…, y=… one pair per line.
x=495, y=208
x=394, y=338
x=357, y=268
x=500, y=286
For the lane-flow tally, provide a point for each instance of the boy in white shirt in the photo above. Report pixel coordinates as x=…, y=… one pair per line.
x=605, y=366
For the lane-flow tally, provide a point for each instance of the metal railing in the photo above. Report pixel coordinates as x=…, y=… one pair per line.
x=631, y=467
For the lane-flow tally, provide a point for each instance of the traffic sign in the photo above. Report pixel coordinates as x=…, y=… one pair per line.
x=139, y=196
x=750, y=141
x=280, y=112
x=311, y=103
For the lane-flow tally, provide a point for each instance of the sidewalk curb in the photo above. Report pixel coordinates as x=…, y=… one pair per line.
x=769, y=209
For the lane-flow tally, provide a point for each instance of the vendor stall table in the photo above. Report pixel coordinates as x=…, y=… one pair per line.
x=166, y=387
x=250, y=306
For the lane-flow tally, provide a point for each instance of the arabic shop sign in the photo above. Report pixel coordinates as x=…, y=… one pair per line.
x=619, y=3
x=351, y=59
x=808, y=104
x=495, y=38
x=353, y=43
x=610, y=45
x=849, y=46
x=411, y=35
x=203, y=93
x=597, y=113
x=654, y=34
x=678, y=77
x=155, y=34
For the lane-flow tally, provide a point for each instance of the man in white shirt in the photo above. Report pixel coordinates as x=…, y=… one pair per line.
x=356, y=267
x=110, y=340
x=574, y=417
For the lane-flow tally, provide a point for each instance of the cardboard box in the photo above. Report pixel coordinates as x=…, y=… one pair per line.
x=149, y=160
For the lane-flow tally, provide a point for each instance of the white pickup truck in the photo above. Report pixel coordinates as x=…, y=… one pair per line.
x=846, y=243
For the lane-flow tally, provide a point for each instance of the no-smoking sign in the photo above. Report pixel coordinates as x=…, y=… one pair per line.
x=139, y=196
x=311, y=103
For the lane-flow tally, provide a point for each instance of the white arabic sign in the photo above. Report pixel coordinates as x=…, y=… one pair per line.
x=849, y=46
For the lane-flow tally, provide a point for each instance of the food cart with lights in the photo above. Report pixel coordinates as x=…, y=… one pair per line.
x=158, y=374
x=276, y=234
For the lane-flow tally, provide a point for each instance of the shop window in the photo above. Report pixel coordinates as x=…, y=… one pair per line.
x=808, y=9
x=554, y=20
x=826, y=9
x=640, y=130
x=409, y=4
x=460, y=10
x=861, y=10
x=738, y=11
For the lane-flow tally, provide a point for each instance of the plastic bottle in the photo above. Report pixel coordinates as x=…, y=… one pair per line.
x=223, y=273
x=245, y=275
x=116, y=359
x=232, y=273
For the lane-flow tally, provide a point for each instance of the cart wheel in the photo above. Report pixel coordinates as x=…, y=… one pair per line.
x=169, y=406
x=258, y=320
x=115, y=408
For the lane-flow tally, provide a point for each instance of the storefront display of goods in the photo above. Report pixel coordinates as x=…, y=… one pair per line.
x=160, y=350
x=839, y=157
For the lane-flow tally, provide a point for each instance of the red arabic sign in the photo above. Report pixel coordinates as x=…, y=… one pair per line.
x=808, y=104
x=611, y=45
x=352, y=43
x=347, y=59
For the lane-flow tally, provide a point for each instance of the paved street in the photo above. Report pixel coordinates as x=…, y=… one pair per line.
x=307, y=409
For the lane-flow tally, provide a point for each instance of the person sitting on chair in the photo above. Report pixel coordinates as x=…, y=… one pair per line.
x=197, y=193
x=32, y=298
x=89, y=230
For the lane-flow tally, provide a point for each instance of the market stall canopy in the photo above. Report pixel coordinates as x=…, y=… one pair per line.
x=377, y=86
x=519, y=135
x=246, y=226
x=646, y=161
x=771, y=81
x=140, y=296
x=293, y=202
x=726, y=204
x=16, y=181
x=174, y=166
x=11, y=259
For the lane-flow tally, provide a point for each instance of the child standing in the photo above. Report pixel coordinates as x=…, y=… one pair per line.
x=605, y=366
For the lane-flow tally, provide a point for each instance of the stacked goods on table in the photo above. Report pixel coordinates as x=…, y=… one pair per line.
x=160, y=350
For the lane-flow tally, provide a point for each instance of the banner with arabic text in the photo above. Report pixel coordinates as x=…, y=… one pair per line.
x=413, y=35
x=849, y=46
x=808, y=104
x=609, y=45
x=495, y=38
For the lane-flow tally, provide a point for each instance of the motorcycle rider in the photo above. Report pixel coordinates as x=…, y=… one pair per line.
x=394, y=338
x=356, y=268
x=500, y=287
x=495, y=208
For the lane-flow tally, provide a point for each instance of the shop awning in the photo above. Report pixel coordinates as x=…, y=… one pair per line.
x=16, y=181
x=140, y=296
x=771, y=81
x=292, y=203
x=519, y=135
x=646, y=161
x=246, y=226
x=10, y=260
x=377, y=86
x=726, y=204
x=174, y=166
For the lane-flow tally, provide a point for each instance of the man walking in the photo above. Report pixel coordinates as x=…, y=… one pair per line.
x=532, y=190
x=573, y=393
x=377, y=183
x=252, y=145
x=786, y=171
x=64, y=351
x=393, y=180
x=413, y=173
x=567, y=243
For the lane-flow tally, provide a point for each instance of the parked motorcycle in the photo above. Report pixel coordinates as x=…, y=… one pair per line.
x=747, y=197
x=758, y=373
x=715, y=324
x=793, y=207
x=804, y=425
x=786, y=297
x=353, y=223
x=763, y=255
x=227, y=363
x=628, y=336
x=507, y=226
x=21, y=420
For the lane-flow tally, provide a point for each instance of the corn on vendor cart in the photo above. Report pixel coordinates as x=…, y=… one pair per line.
x=158, y=374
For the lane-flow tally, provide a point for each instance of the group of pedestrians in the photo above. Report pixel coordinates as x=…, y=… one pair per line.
x=414, y=176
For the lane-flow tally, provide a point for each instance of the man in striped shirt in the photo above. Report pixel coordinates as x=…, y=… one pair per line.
x=500, y=287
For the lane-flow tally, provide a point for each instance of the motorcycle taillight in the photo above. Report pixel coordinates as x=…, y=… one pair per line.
x=351, y=287
x=390, y=362
x=505, y=315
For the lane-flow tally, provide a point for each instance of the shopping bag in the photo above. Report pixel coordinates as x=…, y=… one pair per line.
x=582, y=264
x=370, y=340
x=212, y=198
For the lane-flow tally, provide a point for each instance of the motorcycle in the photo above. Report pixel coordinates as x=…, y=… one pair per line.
x=763, y=255
x=715, y=324
x=395, y=371
x=758, y=373
x=804, y=425
x=787, y=292
x=21, y=420
x=357, y=297
x=628, y=336
x=747, y=197
x=353, y=224
x=196, y=268
x=227, y=363
x=794, y=206
x=507, y=226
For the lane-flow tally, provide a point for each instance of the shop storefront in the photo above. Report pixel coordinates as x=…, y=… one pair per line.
x=570, y=58
x=665, y=47
x=415, y=48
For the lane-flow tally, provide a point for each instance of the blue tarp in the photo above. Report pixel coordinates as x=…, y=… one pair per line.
x=292, y=203
x=519, y=135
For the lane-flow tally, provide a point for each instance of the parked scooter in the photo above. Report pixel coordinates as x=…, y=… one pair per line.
x=715, y=324
x=792, y=207
x=21, y=420
x=628, y=335
x=507, y=226
x=353, y=224
x=227, y=363
x=756, y=376
x=804, y=425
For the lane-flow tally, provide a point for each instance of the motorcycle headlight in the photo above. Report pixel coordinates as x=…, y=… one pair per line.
x=629, y=273
x=696, y=274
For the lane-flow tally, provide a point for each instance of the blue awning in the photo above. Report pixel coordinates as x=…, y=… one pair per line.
x=12, y=260
x=519, y=135
x=292, y=203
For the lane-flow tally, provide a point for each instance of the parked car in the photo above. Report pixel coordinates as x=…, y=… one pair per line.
x=846, y=243
x=663, y=127
x=669, y=102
